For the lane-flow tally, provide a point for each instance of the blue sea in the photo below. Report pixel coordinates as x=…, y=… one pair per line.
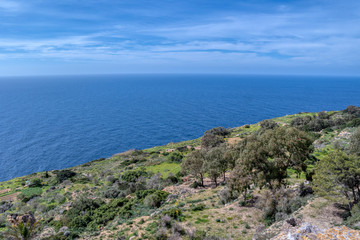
x=51, y=123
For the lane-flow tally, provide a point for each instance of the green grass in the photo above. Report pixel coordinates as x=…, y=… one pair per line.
x=194, y=142
x=32, y=191
x=164, y=168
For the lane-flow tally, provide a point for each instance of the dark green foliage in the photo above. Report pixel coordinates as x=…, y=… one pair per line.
x=111, y=192
x=194, y=164
x=195, y=184
x=172, y=179
x=141, y=195
x=215, y=163
x=354, y=218
x=354, y=146
x=305, y=190
x=323, y=115
x=175, y=213
x=156, y=198
x=214, y=137
x=133, y=160
x=92, y=213
x=198, y=207
x=278, y=205
x=175, y=157
x=133, y=175
x=137, y=153
x=62, y=175
x=317, y=125
x=268, y=124
x=35, y=183
x=29, y=193
x=220, y=131
x=264, y=159
x=211, y=140
x=354, y=123
x=337, y=176
x=353, y=110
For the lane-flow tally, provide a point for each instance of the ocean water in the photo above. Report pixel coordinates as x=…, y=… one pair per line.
x=56, y=122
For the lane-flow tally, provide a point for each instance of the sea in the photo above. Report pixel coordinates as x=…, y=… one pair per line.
x=55, y=122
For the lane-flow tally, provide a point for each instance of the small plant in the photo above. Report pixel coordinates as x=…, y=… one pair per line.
x=198, y=207
x=22, y=227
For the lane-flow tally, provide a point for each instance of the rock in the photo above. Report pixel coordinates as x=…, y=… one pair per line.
x=67, y=233
x=46, y=233
x=291, y=221
x=311, y=232
x=63, y=229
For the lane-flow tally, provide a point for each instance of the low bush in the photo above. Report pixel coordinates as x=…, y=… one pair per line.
x=64, y=175
x=36, y=182
x=133, y=175
x=29, y=193
x=198, y=207
x=156, y=198
x=175, y=213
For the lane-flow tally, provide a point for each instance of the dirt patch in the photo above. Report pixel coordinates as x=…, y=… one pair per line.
x=5, y=190
x=320, y=212
x=234, y=140
x=10, y=197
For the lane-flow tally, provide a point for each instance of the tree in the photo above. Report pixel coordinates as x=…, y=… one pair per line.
x=218, y=155
x=354, y=146
x=286, y=147
x=337, y=177
x=215, y=163
x=265, y=158
x=214, y=137
x=211, y=140
x=240, y=180
x=194, y=164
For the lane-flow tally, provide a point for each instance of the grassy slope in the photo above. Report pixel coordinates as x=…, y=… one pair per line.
x=225, y=221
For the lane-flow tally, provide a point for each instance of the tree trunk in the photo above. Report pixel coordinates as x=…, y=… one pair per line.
x=244, y=195
x=224, y=176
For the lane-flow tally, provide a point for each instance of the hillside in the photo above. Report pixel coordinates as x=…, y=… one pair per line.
x=292, y=177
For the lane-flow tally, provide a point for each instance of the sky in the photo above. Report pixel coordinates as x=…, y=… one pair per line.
x=45, y=37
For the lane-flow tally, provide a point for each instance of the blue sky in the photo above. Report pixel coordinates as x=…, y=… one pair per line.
x=190, y=36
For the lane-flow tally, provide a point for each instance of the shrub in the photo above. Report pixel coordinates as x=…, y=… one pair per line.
x=195, y=184
x=268, y=124
x=165, y=221
x=35, y=183
x=305, y=190
x=300, y=122
x=64, y=174
x=29, y=193
x=175, y=157
x=155, y=199
x=198, y=207
x=155, y=182
x=175, y=213
x=111, y=192
x=133, y=175
x=220, y=131
x=171, y=179
x=225, y=195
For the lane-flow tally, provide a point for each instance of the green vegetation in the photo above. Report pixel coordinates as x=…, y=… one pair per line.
x=225, y=185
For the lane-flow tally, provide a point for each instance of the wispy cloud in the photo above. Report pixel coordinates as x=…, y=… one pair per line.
x=9, y=6
x=250, y=37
